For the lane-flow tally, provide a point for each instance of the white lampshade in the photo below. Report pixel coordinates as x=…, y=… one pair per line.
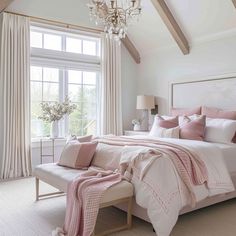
x=145, y=102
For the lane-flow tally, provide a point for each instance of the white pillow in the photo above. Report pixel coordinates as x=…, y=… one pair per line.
x=220, y=130
x=165, y=133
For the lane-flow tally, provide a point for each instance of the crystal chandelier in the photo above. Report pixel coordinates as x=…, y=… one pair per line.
x=116, y=15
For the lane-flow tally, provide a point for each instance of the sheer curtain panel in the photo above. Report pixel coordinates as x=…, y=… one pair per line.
x=15, y=151
x=111, y=112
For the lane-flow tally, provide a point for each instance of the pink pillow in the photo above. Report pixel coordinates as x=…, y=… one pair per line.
x=185, y=111
x=77, y=155
x=212, y=112
x=166, y=123
x=193, y=129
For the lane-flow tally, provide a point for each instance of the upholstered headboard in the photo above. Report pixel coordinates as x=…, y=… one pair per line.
x=217, y=92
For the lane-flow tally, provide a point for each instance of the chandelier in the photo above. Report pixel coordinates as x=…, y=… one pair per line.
x=115, y=15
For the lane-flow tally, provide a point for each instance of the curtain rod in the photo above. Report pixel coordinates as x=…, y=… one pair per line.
x=58, y=23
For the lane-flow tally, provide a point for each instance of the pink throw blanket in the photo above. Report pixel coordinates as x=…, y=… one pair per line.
x=189, y=165
x=84, y=195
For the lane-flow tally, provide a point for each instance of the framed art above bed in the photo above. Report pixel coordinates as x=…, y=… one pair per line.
x=215, y=91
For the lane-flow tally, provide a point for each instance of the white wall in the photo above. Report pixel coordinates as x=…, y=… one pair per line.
x=160, y=67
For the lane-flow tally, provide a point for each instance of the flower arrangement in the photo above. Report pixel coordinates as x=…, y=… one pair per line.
x=55, y=111
x=136, y=122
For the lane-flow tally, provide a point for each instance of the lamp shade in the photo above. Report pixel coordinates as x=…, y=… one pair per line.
x=145, y=102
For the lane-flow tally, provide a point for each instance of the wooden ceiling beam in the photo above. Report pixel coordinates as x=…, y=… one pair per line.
x=172, y=25
x=234, y=2
x=131, y=49
x=4, y=4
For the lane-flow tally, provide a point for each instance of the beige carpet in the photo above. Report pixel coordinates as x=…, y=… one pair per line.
x=20, y=215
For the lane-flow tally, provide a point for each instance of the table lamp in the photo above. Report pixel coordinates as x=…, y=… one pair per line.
x=145, y=103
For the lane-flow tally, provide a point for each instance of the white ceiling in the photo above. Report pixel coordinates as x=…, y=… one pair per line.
x=199, y=19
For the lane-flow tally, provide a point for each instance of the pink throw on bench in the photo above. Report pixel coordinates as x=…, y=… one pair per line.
x=84, y=195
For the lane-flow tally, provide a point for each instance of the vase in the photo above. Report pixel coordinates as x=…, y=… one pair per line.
x=137, y=127
x=54, y=132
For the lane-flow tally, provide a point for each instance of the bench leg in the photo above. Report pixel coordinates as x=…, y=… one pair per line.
x=37, y=188
x=40, y=196
x=129, y=213
x=128, y=225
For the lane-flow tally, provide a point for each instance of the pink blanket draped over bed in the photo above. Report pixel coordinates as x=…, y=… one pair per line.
x=188, y=164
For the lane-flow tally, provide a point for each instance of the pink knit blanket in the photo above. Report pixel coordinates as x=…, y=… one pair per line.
x=84, y=195
x=190, y=167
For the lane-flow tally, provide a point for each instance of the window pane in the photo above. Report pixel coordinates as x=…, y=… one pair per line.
x=36, y=91
x=74, y=77
x=89, y=93
x=52, y=42
x=36, y=39
x=50, y=91
x=73, y=45
x=89, y=78
x=89, y=47
x=36, y=73
x=51, y=74
x=90, y=110
x=89, y=127
x=75, y=93
x=75, y=121
x=38, y=127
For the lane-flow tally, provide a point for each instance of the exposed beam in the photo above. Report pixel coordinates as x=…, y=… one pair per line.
x=4, y=4
x=127, y=42
x=234, y=2
x=172, y=25
x=132, y=50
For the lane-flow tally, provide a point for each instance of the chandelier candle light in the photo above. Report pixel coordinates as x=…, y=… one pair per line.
x=115, y=15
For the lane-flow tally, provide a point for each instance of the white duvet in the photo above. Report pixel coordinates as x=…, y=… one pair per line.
x=162, y=192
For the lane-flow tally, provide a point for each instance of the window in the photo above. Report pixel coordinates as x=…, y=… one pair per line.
x=65, y=64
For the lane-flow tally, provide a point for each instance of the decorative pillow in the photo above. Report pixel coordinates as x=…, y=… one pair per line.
x=220, y=130
x=167, y=123
x=185, y=111
x=212, y=112
x=193, y=129
x=83, y=139
x=165, y=133
x=107, y=156
x=77, y=155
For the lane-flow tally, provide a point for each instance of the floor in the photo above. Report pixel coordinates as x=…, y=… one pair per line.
x=20, y=215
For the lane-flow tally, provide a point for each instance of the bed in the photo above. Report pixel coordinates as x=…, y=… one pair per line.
x=167, y=198
x=193, y=93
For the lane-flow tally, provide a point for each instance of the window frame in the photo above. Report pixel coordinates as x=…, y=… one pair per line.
x=65, y=61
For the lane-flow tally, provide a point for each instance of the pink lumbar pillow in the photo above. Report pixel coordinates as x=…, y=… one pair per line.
x=193, y=129
x=185, y=111
x=213, y=112
x=77, y=155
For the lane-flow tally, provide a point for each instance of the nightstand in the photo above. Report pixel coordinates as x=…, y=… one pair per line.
x=136, y=132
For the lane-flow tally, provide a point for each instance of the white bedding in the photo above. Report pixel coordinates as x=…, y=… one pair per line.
x=229, y=155
x=164, y=212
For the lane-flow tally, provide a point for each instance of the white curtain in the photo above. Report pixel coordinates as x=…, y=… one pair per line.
x=111, y=113
x=15, y=151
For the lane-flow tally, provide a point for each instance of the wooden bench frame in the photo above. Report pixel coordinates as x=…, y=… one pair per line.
x=129, y=201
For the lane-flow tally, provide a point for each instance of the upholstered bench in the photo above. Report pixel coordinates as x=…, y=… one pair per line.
x=59, y=177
